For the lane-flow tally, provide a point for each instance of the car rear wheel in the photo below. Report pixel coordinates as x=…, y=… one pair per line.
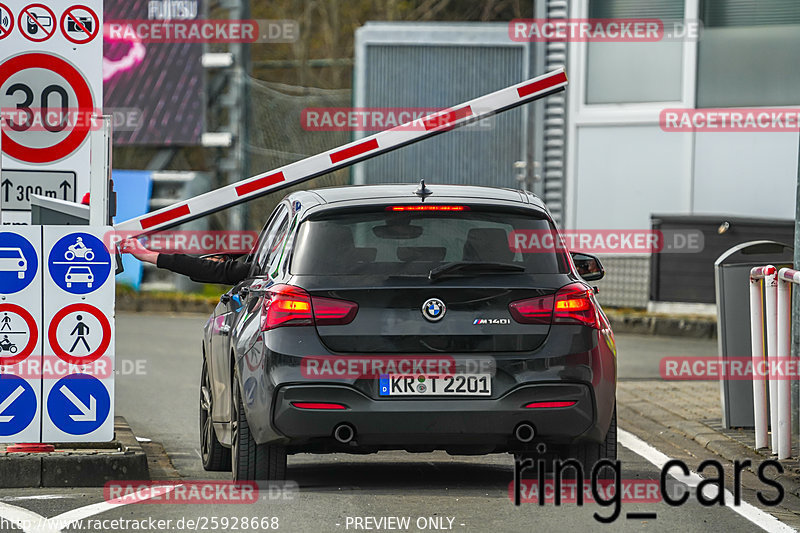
x=586, y=453
x=215, y=456
x=252, y=461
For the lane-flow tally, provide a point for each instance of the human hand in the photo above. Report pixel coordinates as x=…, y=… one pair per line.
x=136, y=249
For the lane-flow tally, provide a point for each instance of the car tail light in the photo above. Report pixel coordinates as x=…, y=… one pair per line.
x=573, y=304
x=319, y=405
x=330, y=312
x=533, y=310
x=548, y=405
x=287, y=305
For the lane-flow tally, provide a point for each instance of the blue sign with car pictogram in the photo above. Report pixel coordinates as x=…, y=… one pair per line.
x=18, y=262
x=79, y=263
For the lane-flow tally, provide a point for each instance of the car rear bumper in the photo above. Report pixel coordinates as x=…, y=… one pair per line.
x=437, y=423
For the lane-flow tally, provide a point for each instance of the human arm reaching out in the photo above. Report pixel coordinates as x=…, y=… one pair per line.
x=228, y=272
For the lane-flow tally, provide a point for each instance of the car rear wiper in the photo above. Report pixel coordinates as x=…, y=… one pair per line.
x=466, y=268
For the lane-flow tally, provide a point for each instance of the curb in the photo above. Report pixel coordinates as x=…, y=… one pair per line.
x=124, y=460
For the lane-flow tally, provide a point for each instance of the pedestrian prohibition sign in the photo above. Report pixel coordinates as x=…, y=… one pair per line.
x=78, y=404
x=18, y=405
x=28, y=83
x=79, y=333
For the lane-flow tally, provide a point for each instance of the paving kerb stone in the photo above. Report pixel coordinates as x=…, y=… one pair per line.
x=78, y=464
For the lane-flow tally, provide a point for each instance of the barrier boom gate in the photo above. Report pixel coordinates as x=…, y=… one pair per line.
x=346, y=155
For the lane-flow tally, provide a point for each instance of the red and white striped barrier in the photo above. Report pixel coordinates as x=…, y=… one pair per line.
x=346, y=155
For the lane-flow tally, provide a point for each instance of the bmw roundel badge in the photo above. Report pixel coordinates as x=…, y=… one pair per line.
x=433, y=309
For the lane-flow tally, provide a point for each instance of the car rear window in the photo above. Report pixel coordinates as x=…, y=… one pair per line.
x=410, y=243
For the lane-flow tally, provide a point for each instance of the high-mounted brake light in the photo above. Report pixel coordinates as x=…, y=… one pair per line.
x=319, y=405
x=573, y=304
x=548, y=405
x=287, y=305
x=427, y=208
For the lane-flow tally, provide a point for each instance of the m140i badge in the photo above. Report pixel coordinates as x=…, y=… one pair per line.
x=433, y=309
x=500, y=321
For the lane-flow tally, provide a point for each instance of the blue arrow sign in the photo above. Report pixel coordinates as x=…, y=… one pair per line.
x=17, y=404
x=78, y=404
x=79, y=263
x=18, y=262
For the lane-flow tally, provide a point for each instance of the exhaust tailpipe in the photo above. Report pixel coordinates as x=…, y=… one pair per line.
x=524, y=432
x=344, y=433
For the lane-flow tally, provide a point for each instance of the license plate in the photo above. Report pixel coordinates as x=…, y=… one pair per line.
x=436, y=385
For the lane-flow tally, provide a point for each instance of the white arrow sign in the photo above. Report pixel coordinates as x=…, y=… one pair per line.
x=7, y=403
x=89, y=414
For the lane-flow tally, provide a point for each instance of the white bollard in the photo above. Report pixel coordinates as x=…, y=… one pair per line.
x=759, y=379
x=784, y=353
x=770, y=301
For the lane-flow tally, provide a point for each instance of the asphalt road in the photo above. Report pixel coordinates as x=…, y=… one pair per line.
x=435, y=492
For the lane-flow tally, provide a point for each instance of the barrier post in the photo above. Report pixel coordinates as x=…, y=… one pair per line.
x=786, y=276
x=783, y=350
x=757, y=352
x=770, y=303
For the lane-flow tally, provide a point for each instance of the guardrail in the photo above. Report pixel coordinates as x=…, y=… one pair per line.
x=777, y=305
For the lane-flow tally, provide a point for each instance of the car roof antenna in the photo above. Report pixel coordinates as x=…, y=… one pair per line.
x=423, y=192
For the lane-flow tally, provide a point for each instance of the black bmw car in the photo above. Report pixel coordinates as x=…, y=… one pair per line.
x=406, y=317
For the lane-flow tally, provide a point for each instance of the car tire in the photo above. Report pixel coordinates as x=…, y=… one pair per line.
x=586, y=453
x=589, y=453
x=252, y=461
x=215, y=456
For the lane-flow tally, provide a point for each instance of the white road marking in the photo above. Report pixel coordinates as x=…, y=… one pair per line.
x=764, y=520
x=30, y=522
x=38, y=497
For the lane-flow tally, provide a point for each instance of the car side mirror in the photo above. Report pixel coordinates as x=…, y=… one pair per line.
x=589, y=266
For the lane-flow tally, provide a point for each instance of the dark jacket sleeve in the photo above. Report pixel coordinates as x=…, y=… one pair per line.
x=204, y=270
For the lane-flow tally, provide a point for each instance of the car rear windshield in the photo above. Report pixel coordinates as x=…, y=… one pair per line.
x=413, y=243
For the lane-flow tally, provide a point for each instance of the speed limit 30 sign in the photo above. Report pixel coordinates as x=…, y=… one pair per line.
x=50, y=88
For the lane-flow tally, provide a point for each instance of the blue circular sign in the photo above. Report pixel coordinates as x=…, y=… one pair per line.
x=79, y=263
x=18, y=262
x=17, y=404
x=78, y=404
